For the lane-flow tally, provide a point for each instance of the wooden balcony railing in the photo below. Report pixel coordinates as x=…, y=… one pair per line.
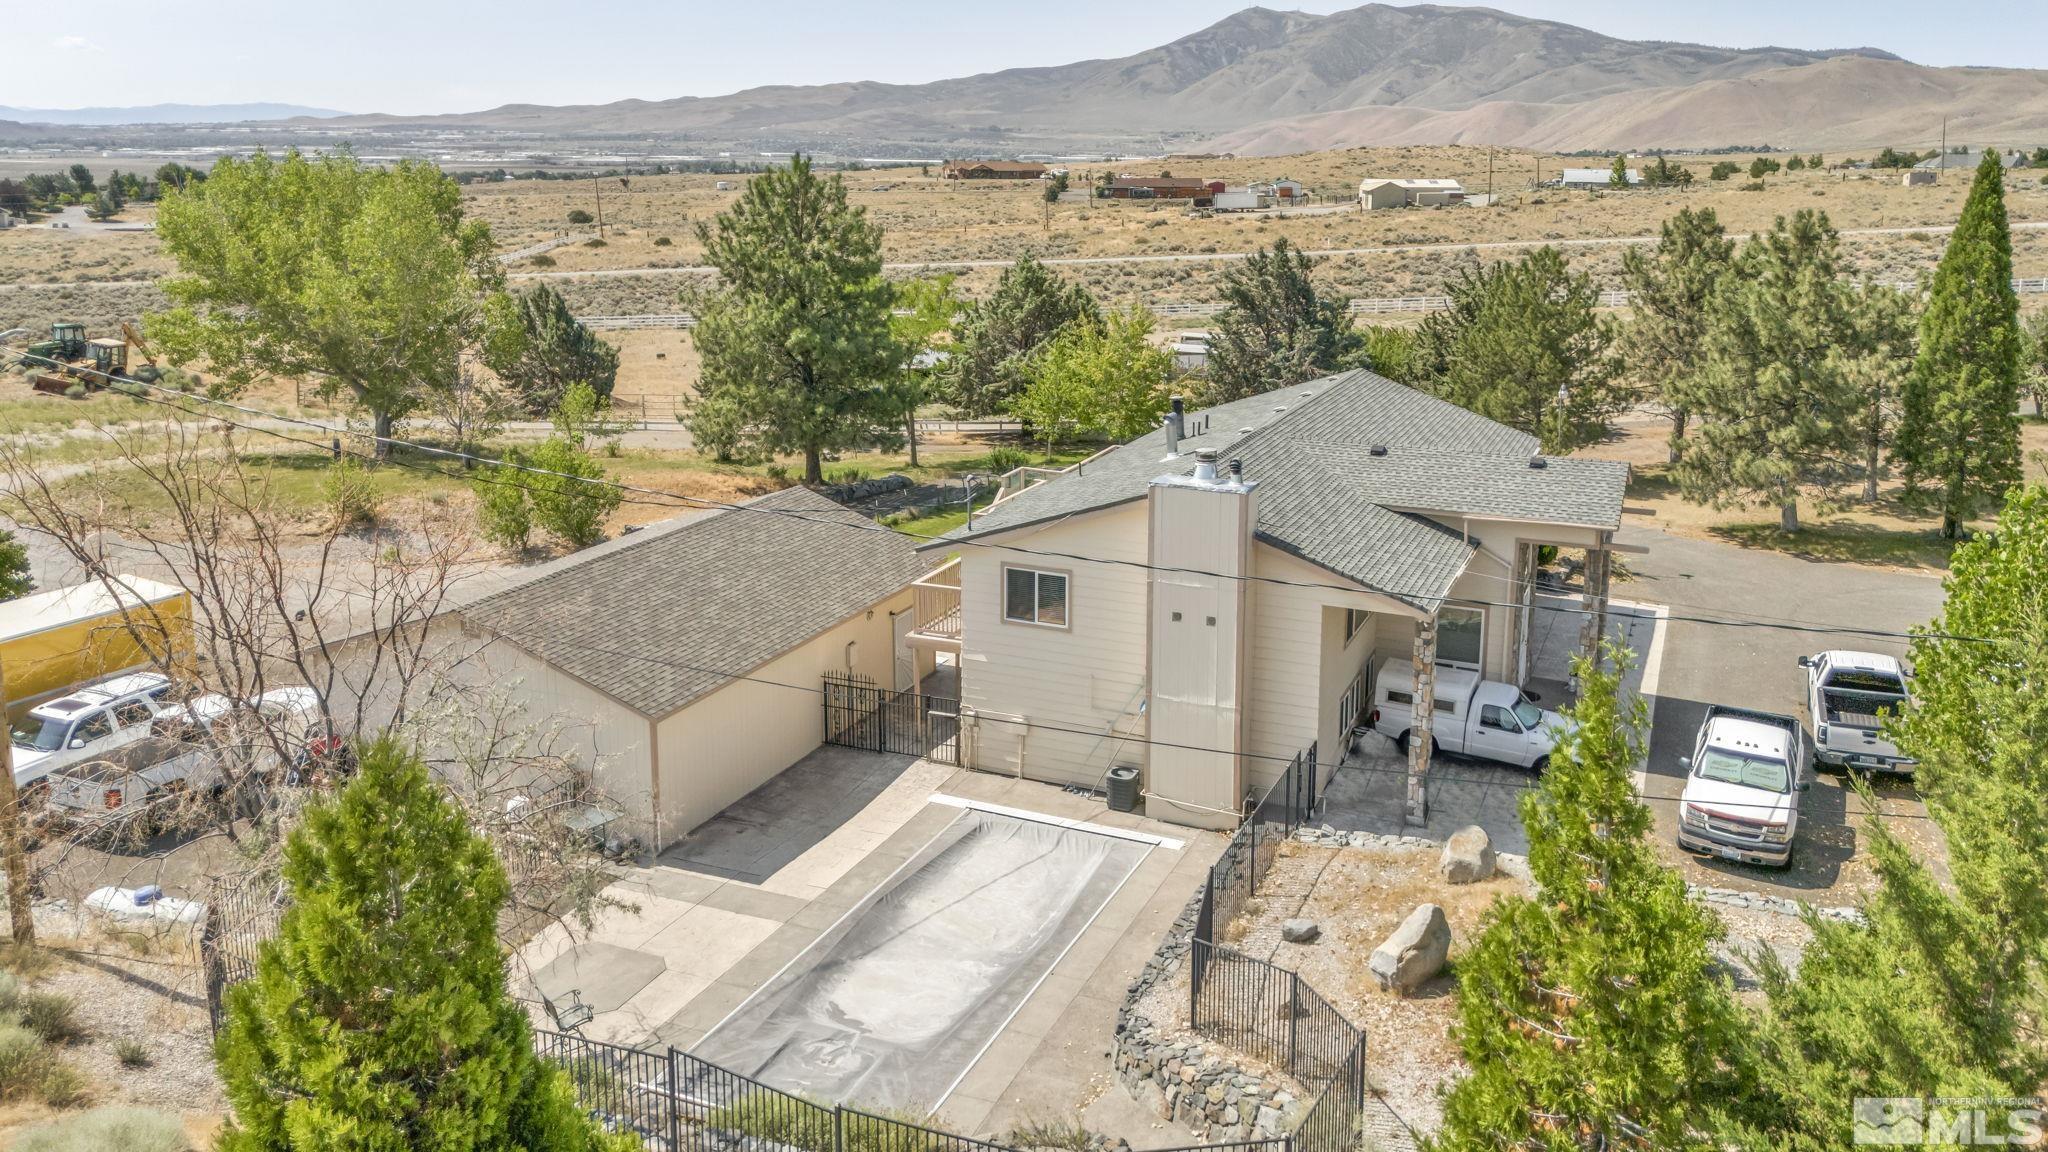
x=938, y=601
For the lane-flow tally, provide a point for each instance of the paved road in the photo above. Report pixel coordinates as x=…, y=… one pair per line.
x=1758, y=668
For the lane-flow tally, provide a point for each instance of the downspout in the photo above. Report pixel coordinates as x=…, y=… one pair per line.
x=654, y=787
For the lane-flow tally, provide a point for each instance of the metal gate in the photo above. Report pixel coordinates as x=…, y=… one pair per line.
x=860, y=715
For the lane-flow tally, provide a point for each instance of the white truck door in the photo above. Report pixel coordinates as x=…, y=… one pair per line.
x=1497, y=736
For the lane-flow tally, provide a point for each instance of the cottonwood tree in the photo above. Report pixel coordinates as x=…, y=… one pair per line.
x=923, y=311
x=1776, y=411
x=1936, y=990
x=538, y=348
x=1107, y=378
x=1523, y=344
x=1960, y=429
x=1275, y=328
x=1389, y=351
x=1591, y=1014
x=379, y=1016
x=994, y=339
x=1670, y=288
x=367, y=279
x=795, y=342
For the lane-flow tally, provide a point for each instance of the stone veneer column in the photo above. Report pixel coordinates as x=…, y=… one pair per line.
x=1593, y=625
x=1425, y=716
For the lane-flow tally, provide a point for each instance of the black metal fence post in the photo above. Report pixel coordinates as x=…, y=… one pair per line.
x=1293, y=1017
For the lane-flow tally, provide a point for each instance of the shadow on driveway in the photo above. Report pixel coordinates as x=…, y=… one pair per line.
x=774, y=824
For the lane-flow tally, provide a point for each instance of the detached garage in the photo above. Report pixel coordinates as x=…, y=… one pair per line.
x=690, y=655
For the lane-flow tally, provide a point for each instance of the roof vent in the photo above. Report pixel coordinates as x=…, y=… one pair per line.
x=1205, y=466
x=1378, y=450
x=1281, y=410
x=1538, y=462
x=1306, y=395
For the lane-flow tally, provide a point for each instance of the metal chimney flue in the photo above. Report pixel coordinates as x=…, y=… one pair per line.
x=1205, y=466
x=1236, y=471
x=1176, y=425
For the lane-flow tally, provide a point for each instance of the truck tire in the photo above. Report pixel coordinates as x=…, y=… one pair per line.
x=1401, y=742
x=1541, y=765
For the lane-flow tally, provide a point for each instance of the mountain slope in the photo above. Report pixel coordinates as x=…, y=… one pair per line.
x=1250, y=68
x=163, y=114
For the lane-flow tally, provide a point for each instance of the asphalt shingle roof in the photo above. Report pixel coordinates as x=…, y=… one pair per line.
x=1324, y=495
x=663, y=617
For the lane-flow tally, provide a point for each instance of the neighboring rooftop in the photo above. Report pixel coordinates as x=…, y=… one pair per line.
x=672, y=613
x=1346, y=465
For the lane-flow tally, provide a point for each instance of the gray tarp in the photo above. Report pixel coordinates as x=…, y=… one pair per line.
x=890, y=1006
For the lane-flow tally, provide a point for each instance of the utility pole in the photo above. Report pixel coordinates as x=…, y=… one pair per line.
x=20, y=914
x=1489, y=177
x=1944, y=143
x=597, y=186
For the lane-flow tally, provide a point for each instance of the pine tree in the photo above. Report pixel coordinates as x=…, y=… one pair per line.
x=539, y=348
x=996, y=338
x=378, y=1018
x=1275, y=328
x=1937, y=992
x=1670, y=288
x=795, y=344
x=1960, y=430
x=1523, y=343
x=1775, y=411
x=1875, y=366
x=1617, y=176
x=1590, y=1013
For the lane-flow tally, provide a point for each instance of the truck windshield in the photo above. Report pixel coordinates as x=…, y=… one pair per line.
x=40, y=734
x=1716, y=764
x=1530, y=715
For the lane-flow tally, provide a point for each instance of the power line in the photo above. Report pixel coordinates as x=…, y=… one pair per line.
x=672, y=500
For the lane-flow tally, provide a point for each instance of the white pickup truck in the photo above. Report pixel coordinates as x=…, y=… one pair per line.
x=1483, y=718
x=182, y=751
x=84, y=724
x=1742, y=785
x=1848, y=695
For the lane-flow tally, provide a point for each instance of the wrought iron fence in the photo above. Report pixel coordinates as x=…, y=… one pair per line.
x=624, y=1089
x=860, y=715
x=238, y=920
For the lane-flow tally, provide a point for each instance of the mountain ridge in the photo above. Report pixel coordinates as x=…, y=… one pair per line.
x=164, y=114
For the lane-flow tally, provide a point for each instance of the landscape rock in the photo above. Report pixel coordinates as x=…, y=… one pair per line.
x=1299, y=931
x=1415, y=952
x=1468, y=856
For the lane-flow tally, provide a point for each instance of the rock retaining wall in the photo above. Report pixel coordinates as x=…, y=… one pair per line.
x=1183, y=1079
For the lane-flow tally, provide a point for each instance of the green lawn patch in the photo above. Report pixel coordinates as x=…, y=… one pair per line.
x=1847, y=541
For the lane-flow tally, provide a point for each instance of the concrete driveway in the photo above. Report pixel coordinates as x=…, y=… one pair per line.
x=1705, y=663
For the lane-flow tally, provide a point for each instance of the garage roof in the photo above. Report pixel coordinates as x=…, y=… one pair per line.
x=670, y=614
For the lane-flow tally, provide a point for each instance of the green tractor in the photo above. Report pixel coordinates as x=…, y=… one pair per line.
x=66, y=342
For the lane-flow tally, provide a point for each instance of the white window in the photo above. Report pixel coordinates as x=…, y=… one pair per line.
x=1460, y=637
x=1031, y=596
x=1354, y=619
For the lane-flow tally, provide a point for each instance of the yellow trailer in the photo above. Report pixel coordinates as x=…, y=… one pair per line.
x=52, y=642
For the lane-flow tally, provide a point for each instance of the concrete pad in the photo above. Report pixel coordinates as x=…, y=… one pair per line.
x=673, y=883
x=709, y=1007
x=706, y=941
x=636, y=1020
x=964, y=1114
x=1046, y=1005
x=998, y=1065
x=781, y=821
x=605, y=975
x=756, y=902
x=769, y=957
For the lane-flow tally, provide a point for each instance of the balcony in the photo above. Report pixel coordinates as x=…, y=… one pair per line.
x=936, y=619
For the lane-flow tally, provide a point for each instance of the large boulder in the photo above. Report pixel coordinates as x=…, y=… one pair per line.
x=1299, y=931
x=1415, y=952
x=1468, y=856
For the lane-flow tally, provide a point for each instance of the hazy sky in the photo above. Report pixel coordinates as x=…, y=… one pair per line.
x=460, y=55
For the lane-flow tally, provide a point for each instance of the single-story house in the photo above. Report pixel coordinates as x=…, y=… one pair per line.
x=1285, y=190
x=1190, y=351
x=1917, y=177
x=1212, y=599
x=1399, y=193
x=686, y=660
x=1594, y=178
x=1157, y=188
x=991, y=170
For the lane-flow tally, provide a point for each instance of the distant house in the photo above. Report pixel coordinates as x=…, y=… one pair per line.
x=1918, y=176
x=6, y=219
x=1384, y=193
x=1158, y=188
x=1970, y=158
x=991, y=170
x=1286, y=191
x=1594, y=177
x=1190, y=351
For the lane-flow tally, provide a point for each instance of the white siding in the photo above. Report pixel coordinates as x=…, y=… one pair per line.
x=736, y=739
x=1070, y=684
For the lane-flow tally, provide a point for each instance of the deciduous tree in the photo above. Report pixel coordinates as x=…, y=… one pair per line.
x=368, y=279
x=795, y=342
x=17, y=579
x=924, y=310
x=379, y=1016
x=1670, y=288
x=1776, y=412
x=1875, y=367
x=1107, y=378
x=1522, y=343
x=994, y=339
x=539, y=348
x=1960, y=432
x=1592, y=1015
x=1275, y=328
